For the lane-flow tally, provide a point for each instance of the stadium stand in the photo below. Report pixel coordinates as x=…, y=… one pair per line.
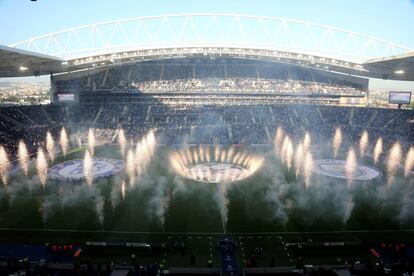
x=234, y=124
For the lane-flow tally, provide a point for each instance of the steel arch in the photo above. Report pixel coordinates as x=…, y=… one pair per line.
x=209, y=30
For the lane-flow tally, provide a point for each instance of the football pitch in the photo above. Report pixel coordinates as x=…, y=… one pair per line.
x=161, y=202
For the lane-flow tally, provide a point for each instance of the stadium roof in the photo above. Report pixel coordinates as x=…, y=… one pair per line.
x=19, y=63
x=212, y=35
x=398, y=67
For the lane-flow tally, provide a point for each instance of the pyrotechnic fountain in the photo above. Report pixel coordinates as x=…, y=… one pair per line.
x=123, y=189
x=162, y=209
x=64, y=141
x=283, y=149
x=349, y=206
x=130, y=166
x=409, y=162
x=91, y=141
x=299, y=158
x=350, y=165
x=149, y=143
x=216, y=153
x=377, y=150
x=308, y=169
x=201, y=153
x=337, y=141
x=393, y=161
x=227, y=166
x=287, y=152
x=144, y=151
x=50, y=146
x=278, y=140
x=139, y=152
x=42, y=166
x=23, y=157
x=363, y=143
x=4, y=165
x=122, y=141
x=88, y=167
x=208, y=154
x=220, y=166
x=223, y=203
x=306, y=142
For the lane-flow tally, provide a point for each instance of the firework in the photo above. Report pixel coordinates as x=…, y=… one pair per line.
x=350, y=165
x=299, y=158
x=88, y=167
x=308, y=169
x=50, y=146
x=4, y=165
x=122, y=141
x=377, y=150
x=42, y=167
x=363, y=143
x=64, y=141
x=393, y=161
x=278, y=139
x=91, y=142
x=337, y=141
x=23, y=157
x=409, y=162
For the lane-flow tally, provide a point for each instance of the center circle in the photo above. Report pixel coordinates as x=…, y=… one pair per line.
x=72, y=170
x=337, y=169
x=217, y=172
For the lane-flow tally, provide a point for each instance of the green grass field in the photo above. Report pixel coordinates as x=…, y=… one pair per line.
x=162, y=203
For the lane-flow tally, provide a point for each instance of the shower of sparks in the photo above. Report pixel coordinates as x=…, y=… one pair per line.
x=337, y=141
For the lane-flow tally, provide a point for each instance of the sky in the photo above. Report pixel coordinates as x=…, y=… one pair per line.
x=391, y=20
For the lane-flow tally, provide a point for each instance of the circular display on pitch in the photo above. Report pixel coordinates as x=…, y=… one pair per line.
x=217, y=172
x=336, y=168
x=73, y=170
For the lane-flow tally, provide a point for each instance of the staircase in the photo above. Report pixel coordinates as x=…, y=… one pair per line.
x=104, y=78
x=230, y=132
x=97, y=115
x=7, y=118
x=26, y=117
x=269, y=137
x=371, y=119
x=49, y=119
x=320, y=115
x=351, y=117
x=148, y=114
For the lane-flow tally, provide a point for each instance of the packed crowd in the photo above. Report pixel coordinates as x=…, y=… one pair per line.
x=232, y=124
x=245, y=85
x=30, y=124
x=219, y=76
x=250, y=124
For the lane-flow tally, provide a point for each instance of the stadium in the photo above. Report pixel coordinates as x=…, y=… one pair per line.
x=210, y=144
